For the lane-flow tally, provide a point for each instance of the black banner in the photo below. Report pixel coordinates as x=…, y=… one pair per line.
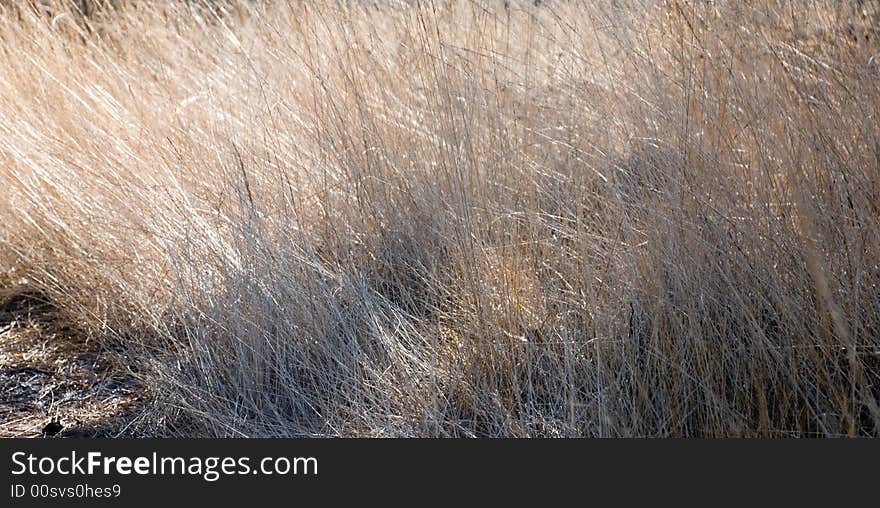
x=54, y=472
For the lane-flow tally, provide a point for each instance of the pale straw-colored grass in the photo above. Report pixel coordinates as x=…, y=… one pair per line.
x=580, y=218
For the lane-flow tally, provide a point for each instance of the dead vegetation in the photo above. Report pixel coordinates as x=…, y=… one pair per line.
x=583, y=218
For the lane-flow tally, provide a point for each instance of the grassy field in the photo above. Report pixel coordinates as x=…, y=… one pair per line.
x=446, y=218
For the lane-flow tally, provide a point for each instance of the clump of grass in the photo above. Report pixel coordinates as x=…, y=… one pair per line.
x=451, y=219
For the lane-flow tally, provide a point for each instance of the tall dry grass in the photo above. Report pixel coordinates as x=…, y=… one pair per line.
x=580, y=218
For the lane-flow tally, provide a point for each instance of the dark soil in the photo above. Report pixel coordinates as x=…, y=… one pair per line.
x=54, y=382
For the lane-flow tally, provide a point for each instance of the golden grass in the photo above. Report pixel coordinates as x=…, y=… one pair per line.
x=578, y=218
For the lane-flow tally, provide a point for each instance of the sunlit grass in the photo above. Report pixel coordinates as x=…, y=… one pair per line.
x=458, y=218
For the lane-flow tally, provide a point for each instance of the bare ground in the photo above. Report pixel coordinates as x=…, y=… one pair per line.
x=54, y=382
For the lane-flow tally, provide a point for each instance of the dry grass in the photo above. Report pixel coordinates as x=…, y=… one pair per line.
x=579, y=218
